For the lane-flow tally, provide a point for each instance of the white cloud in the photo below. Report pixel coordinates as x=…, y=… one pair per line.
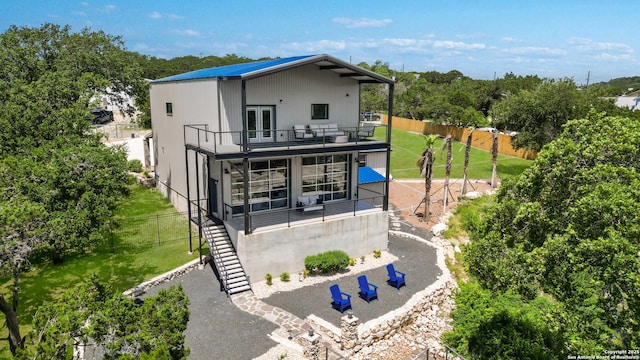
x=353, y=23
x=156, y=16
x=533, y=50
x=583, y=44
x=509, y=39
x=457, y=45
x=316, y=46
x=188, y=32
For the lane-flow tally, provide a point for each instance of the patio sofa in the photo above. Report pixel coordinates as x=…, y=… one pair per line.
x=325, y=130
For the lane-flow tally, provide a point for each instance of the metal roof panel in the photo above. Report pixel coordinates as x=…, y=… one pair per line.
x=367, y=175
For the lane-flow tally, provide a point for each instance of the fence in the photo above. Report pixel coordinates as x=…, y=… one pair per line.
x=480, y=139
x=146, y=231
x=119, y=131
x=428, y=354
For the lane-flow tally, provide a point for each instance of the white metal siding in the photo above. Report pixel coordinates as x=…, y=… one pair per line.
x=293, y=92
x=194, y=102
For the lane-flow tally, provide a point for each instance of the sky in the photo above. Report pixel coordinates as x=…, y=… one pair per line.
x=589, y=40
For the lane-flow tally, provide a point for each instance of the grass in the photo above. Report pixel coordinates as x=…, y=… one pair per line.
x=407, y=147
x=123, y=268
x=467, y=212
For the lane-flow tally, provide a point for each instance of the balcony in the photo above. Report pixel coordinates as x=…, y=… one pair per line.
x=231, y=144
x=295, y=216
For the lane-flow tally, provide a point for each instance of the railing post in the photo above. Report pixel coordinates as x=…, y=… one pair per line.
x=158, y=229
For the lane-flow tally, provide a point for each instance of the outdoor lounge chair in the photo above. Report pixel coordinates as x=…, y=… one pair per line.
x=396, y=278
x=366, y=130
x=341, y=301
x=368, y=291
x=300, y=132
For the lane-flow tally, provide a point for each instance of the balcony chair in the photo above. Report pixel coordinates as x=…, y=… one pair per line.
x=341, y=301
x=396, y=278
x=368, y=290
x=300, y=132
x=366, y=130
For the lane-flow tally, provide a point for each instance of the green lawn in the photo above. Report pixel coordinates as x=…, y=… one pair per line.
x=407, y=147
x=123, y=268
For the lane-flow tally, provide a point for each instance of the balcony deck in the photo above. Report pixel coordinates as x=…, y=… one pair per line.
x=282, y=218
x=228, y=145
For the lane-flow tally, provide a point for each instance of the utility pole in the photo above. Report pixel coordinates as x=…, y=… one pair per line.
x=588, y=75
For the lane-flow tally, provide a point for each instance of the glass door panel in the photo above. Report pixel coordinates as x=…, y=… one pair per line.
x=260, y=123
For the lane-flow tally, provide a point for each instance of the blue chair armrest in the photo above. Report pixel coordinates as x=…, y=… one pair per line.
x=401, y=273
x=345, y=294
x=375, y=287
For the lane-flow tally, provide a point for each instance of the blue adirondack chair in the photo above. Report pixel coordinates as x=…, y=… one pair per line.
x=396, y=278
x=341, y=301
x=368, y=290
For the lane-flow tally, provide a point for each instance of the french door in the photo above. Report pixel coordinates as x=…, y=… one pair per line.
x=260, y=123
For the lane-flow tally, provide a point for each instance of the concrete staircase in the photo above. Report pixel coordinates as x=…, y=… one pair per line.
x=223, y=255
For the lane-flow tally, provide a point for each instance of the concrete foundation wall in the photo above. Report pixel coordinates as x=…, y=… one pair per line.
x=285, y=249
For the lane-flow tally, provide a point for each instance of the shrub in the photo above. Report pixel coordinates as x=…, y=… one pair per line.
x=285, y=276
x=269, y=279
x=352, y=261
x=377, y=253
x=134, y=165
x=326, y=262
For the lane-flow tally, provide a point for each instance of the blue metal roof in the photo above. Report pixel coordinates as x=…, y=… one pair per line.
x=237, y=70
x=367, y=175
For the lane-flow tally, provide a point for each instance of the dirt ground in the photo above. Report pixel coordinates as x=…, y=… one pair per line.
x=406, y=197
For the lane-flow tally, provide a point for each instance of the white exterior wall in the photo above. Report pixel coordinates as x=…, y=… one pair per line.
x=285, y=249
x=194, y=102
x=377, y=161
x=299, y=88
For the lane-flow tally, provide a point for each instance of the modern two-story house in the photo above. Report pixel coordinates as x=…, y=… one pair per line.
x=272, y=162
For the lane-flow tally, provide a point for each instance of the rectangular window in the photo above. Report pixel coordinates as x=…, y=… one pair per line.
x=268, y=186
x=319, y=111
x=169, y=107
x=325, y=176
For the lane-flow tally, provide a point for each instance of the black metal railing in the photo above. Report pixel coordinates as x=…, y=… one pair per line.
x=233, y=141
x=287, y=217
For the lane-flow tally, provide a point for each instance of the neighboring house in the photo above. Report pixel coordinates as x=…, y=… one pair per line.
x=629, y=101
x=271, y=151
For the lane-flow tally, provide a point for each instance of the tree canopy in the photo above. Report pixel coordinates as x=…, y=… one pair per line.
x=59, y=183
x=118, y=326
x=568, y=229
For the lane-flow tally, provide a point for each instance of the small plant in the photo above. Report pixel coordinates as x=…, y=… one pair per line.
x=352, y=261
x=134, y=165
x=282, y=356
x=377, y=253
x=305, y=273
x=146, y=174
x=362, y=258
x=285, y=276
x=269, y=279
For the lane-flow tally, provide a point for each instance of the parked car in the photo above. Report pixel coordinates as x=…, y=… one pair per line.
x=101, y=116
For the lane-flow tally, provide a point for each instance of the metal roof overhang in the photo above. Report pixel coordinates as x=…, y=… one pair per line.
x=324, y=62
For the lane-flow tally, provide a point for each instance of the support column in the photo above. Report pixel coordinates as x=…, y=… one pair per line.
x=349, y=332
x=311, y=345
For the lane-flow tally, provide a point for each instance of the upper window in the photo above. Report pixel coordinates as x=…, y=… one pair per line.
x=169, y=107
x=319, y=111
